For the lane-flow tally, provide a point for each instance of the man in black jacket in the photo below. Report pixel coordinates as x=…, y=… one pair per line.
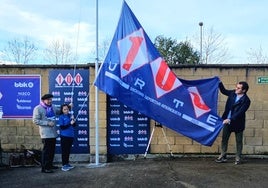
x=234, y=119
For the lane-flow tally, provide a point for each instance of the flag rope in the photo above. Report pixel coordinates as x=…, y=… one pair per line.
x=75, y=64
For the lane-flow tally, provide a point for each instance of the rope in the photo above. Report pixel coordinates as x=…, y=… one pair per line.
x=76, y=49
x=83, y=103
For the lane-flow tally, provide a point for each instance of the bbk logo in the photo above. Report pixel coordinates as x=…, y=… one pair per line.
x=24, y=84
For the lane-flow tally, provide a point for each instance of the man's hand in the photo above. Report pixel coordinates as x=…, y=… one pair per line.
x=51, y=123
x=226, y=121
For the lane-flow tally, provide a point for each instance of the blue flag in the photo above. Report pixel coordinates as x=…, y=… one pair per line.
x=135, y=73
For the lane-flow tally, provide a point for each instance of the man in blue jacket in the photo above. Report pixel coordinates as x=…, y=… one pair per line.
x=234, y=119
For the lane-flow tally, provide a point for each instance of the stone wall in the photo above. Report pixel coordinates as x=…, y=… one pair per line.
x=15, y=134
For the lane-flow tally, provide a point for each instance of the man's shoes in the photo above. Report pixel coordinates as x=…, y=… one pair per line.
x=54, y=167
x=221, y=159
x=46, y=171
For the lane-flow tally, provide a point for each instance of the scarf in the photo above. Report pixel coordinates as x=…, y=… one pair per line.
x=49, y=110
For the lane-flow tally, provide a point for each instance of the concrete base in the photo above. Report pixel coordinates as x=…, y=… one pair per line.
x=82, y=158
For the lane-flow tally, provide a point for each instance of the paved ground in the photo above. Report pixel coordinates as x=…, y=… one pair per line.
x=156, y=172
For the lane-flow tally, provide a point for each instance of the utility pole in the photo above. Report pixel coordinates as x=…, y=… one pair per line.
x=201, y=36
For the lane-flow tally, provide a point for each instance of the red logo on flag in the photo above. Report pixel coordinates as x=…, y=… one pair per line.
x=165, y=80
x=133, y=52
x=200, y=107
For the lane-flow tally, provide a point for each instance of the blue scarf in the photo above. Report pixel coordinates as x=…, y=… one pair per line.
x=49, y=110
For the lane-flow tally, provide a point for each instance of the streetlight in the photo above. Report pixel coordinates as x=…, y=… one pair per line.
x=201, y=25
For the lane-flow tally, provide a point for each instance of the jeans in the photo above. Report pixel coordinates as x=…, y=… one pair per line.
x=225, y=138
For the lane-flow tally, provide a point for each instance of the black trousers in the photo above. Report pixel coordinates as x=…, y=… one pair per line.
x=66, y=145
x=48, y=152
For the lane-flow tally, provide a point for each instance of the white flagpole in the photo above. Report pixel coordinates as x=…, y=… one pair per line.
x=97, y=164
x=96, y=89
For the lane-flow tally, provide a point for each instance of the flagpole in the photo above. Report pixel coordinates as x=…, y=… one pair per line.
x=96, y=89
x=96, y=95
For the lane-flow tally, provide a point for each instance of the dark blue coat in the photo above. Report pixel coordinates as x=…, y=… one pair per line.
x=238, y=109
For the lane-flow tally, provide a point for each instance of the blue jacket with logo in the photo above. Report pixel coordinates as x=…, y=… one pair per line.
x=66, y=129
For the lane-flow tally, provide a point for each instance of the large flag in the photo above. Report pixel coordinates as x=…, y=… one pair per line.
x=135, y=73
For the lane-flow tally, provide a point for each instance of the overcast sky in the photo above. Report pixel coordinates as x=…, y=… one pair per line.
x=243, y=23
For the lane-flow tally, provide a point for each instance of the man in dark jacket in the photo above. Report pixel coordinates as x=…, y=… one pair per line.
x=234, y=119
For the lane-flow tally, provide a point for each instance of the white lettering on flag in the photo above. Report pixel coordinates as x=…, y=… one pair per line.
x=198, y=123
x=116, y=78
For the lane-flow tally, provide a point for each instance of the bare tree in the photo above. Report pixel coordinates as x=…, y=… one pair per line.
x=20, y=51
x=103, y=48
x=215, y=50
x=257, y=56
x=214, y=47
x=59, y=52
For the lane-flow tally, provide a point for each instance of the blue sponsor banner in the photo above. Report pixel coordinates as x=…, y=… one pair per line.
x=128, y=131
x=69, y=86
x=19, y=94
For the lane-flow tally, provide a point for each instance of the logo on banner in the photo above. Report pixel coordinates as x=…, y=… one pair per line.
x=69, y=79
x=199, y=105
x=133, y=55
x=59, y=79
x=164, y=79
x=133, y=52
x=78, y=79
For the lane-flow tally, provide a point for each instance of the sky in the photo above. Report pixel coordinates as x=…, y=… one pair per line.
x=242, y=23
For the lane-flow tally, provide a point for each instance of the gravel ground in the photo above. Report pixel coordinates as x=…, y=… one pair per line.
x=156, y=172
